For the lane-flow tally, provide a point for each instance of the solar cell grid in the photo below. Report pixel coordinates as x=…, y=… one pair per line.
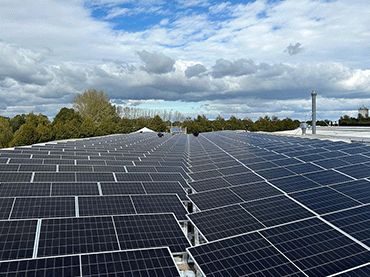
x=77, y=235
x=355, y=159
x=146, y=231
x=324, y=200
x=276, y=210
x=200, y=175
x=145, y=204
x=246, y=255
x=113, y=188
x=164, y=188
x=303, y=168
x=105, y=205
x=255, y=191
x=75, y=189
x=143, y=263
x=209, y=184
x=129, y=177
x=215, y=198
x=38, y=167
x=56, y=266
x=316, y=248
x=358, y=190
x=43, y=207
x=331, y=163
x=274, y=173
x=95, y=177
x=54, y=177
x=75, y=168
x=9, y=168
x=15, y=177
x=327, y=177
x=224, y=222
x=357, y=171
x=244, y=178
x=24, y=189
x=17, y=239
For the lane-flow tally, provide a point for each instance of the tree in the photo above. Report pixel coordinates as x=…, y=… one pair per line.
x=25, y=135
x=66, y=115
x=87, y=128
x=6, y=132
x=95, y=105
x=17, y=121
x=157, y=124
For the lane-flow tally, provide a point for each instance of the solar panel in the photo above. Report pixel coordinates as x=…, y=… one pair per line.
x=274, y=173
x=276, y=210
x=56, y=266
x=327, y=177
x=255, y=191
x=114, y=188
x=37, y=167
x=9, y=167
x=205, y=174
x=331, y=163
x=246, y=255
x=24, y=189
x=324, y=200
x=244, y=178
x=209, y=184
x=303, y=168
x=6, y=205
x=15, y=177
x=357, y=171
x=145, y=204
x=165, y=188
x=94, y=177
x=224, y=222
x=105, y=205
x=54, y=177
x=358, y=190
x=75, y=189
x=133, y=177
x=17, y=239
x=146, y=231
x=215, y=198
x=294, y=183
x=142, y=262
x=63, y=236
x=43, y=207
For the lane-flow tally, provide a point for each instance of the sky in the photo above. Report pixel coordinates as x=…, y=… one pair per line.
x=211, y=57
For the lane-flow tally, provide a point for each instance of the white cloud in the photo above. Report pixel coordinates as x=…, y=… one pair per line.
x=222, y=55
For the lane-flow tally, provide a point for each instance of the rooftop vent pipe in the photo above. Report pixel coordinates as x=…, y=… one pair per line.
x=313, y=94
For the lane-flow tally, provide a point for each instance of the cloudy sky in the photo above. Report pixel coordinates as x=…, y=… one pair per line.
x=211, y=57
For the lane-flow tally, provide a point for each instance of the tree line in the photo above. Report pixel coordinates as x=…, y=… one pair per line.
x=92, y=114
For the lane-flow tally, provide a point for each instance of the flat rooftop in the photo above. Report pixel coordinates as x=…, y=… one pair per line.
x=334, y=133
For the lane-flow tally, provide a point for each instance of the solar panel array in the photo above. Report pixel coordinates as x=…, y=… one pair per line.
x=104, y=206
x=283, y=206
x=263, y=205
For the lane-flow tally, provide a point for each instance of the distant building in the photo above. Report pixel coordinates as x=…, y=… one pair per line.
x=363, y=111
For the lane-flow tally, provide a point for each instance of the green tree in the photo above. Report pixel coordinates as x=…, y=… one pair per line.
x=87, y=128
x=65, y=115
x=45, y=133
x=67, y=130
x=17, y=121
x=157, y=124
x=125, y=126
x=25, y=135
x=106, y=127
x=219, y=123
x=6, y=132
x=95, y=105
